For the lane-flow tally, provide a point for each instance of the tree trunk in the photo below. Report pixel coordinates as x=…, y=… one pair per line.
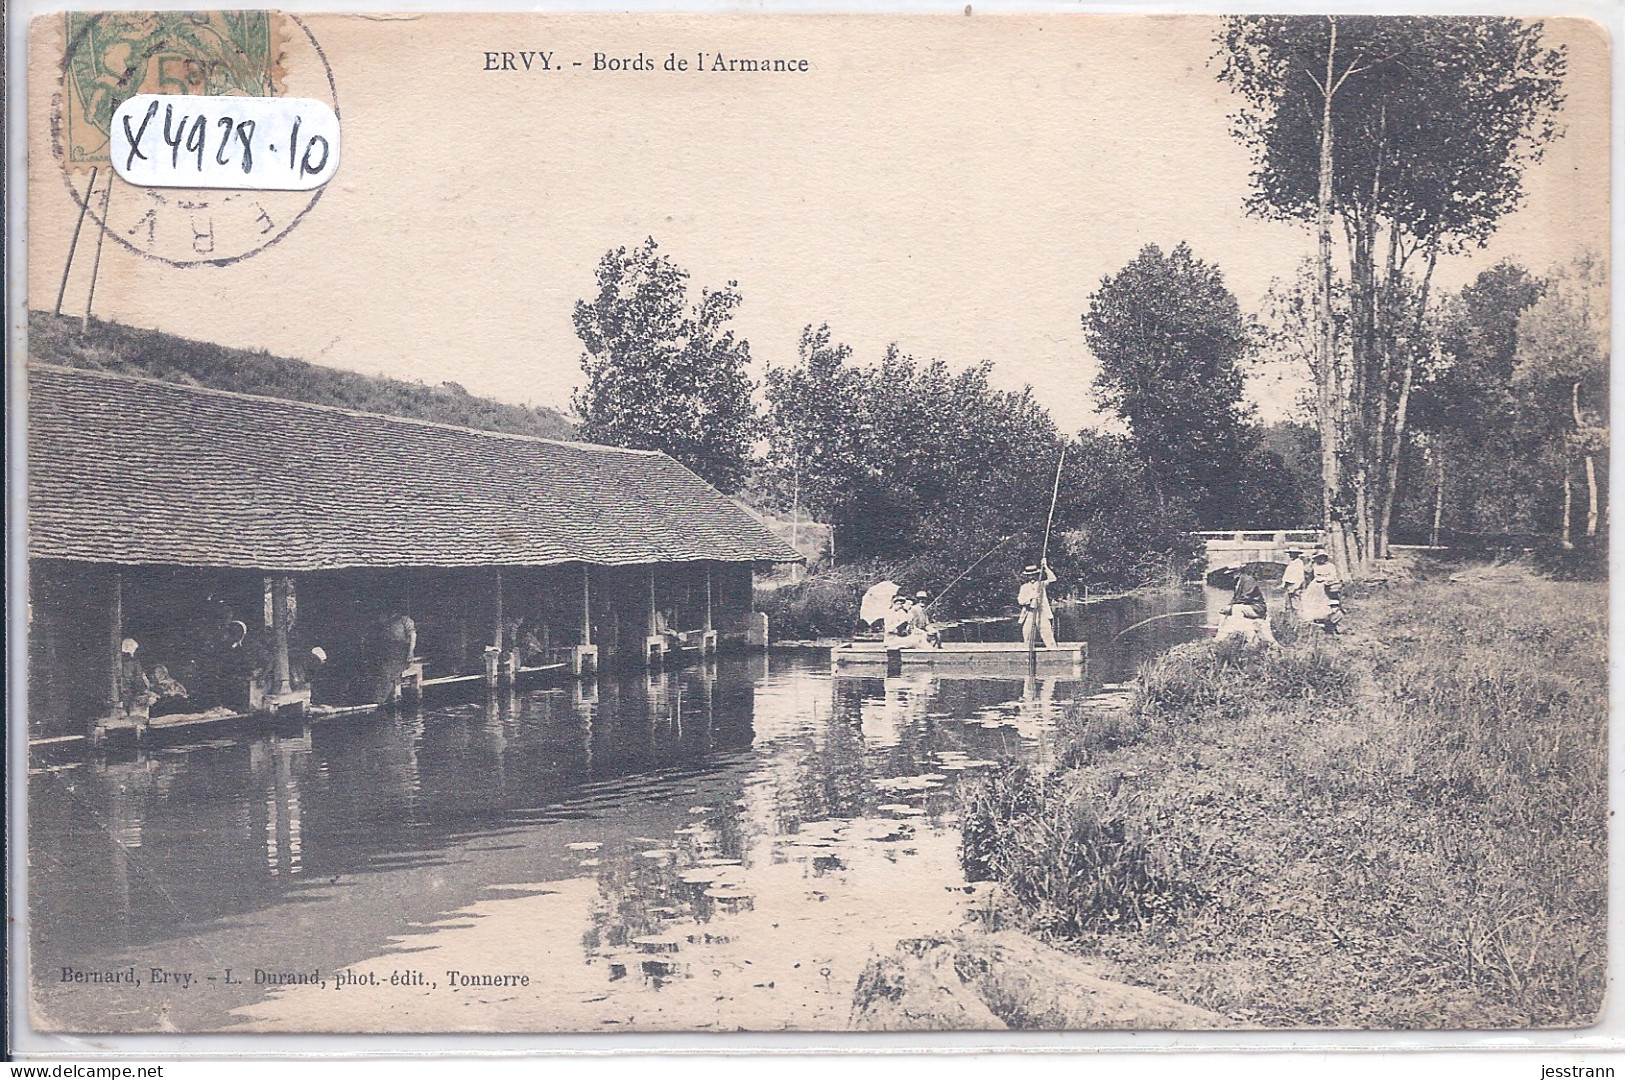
x=1329, y=390
x=1362, y=506
x=1591, y=470
x=1591, y=496
x=1391, y=481
x=1384, y=450
x=1568, y=502
x=1438, y=499
x=1357, y=402
x=1397, y=444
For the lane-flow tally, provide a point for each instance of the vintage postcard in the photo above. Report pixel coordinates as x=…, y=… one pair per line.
x=964, y=522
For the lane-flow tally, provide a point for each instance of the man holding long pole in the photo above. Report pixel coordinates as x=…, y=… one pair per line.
x=1037, y=618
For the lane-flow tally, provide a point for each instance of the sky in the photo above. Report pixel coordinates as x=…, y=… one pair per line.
x=957, y=185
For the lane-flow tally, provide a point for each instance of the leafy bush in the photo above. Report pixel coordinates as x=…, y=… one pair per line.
x=803, y=611
x=822, y=605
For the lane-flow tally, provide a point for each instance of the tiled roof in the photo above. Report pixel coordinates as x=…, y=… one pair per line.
x=132, y=470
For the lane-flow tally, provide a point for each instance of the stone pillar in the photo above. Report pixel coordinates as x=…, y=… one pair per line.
x=281, y=597
x=708, y=640
x=584, y=656
x=586, y=604
x=496, y=630
x=654, y=647
x=493, y=654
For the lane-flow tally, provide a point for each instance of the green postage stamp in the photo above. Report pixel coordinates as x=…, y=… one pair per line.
x=112, y=56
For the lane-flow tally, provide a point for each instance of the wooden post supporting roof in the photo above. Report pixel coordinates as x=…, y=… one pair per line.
x=654, y=644
x=708, y=625
x=115, y=696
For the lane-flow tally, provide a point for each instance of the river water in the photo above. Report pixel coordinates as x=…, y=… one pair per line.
x=713, y=848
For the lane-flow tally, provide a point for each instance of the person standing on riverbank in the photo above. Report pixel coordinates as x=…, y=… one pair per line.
x=1322, y=602
x=1293, y=578
x=1037, y=617
x=397, y=647
x=134, y=688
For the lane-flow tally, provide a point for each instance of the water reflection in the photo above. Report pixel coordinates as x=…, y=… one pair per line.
x=712, y=811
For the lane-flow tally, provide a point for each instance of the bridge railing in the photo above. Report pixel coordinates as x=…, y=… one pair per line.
x=1240, y=547
x=1282, y=537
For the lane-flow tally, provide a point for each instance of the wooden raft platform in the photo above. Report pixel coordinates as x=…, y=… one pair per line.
x=970, y=656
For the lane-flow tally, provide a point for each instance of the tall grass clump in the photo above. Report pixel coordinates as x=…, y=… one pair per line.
x=1404, y=826
x=1200, y=679
x=1078, y=859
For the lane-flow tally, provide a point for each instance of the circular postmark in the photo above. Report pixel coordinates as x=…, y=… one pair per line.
x=114, y=55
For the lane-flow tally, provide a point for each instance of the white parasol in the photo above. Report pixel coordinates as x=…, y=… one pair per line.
x=877, y=601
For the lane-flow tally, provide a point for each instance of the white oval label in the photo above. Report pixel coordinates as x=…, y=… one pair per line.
x=192, y=141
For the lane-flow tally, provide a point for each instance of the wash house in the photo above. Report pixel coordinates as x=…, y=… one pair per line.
x=197, y=553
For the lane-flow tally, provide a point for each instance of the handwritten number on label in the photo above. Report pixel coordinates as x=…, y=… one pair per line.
x=136, y=137
x=197, y=138
x=187, y=123
x=173, y=138
x=245, y=135
x=225, y=123
x=305, y=165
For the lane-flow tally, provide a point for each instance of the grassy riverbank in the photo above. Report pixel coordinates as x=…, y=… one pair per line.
x=1403, y=827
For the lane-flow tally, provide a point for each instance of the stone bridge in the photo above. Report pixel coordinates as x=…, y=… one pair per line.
x=1232, y=550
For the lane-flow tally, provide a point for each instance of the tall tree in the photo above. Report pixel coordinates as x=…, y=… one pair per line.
x=1562, y=374
x=1170, y=338
x=1297, y=445
x=820, y=438
x=664, y=374
x=905, y=457
x=1414, y=133
x=980, y=461
x=912, y=460
x=1111, y=534
x=1470, y=446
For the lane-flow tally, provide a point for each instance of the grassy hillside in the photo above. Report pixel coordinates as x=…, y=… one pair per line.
x=54, y=339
